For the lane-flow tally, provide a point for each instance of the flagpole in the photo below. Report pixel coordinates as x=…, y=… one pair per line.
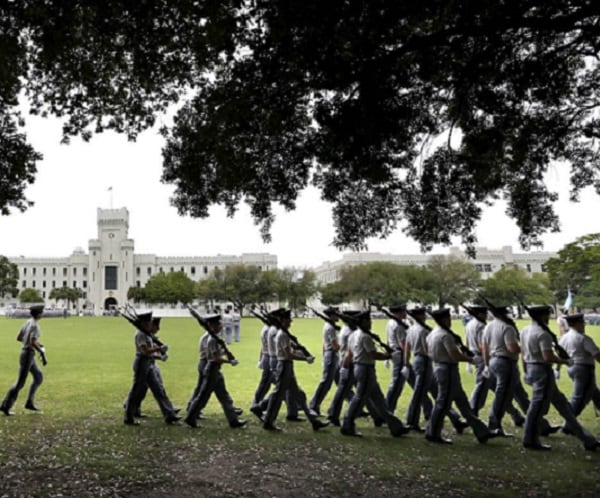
x=110, y=189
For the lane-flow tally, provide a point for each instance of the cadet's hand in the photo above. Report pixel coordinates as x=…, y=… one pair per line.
x=405, y=372
x=556, y=373
x=386, y=363
x=259, y=365
x=234, y=362
x=164, y=348
x=486, y=372
x=469, y=367
x=310, y=360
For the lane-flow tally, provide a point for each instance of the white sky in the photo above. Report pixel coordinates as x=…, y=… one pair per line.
x=73, y=181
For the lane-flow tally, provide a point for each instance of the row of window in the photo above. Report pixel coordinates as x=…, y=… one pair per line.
x=53, y=286
x=205, y=270
x=64, y=271
x=487, y=268
x=84, y=295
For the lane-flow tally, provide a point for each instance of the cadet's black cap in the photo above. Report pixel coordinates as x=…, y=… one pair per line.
x=145, y=317
x=363, y=315
x=539, y=310
x=212, y=318
x=418, y=311
x=281, y=313
x=477, y=310
x=156, y=320
x=331, y=310
x=441, y=313
x=397, y=308
x=36, y=309
x=575, y=318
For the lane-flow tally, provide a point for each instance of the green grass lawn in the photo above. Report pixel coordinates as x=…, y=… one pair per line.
x=81, y=436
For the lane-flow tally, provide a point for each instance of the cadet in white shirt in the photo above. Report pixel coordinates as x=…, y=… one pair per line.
x=396, y=339
x=539, y=356
x=583, y=353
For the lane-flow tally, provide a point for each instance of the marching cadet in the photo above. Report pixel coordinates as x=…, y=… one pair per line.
x=154, y=381
x=444, y=351
x=362, y=354
x=29, y=335
x=227, y=325
x=396, y=339
x=213, y=380
x=266, y=378
x=288, y=352
x=583, y=352
x=474, y=338
x=539, y=356
x=331, y=361
x=236, y=319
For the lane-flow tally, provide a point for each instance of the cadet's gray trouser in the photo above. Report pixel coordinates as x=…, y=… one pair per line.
x=481, y=388
x=27, y=365
x=201, y=368
x=343, y=391
x=292, y=407
x=331, y=364
x=286, y=383
x=154, y=382
x=584, y=386
x=396, y=382
x=506, y=373
x=367, y=389
x=423, y=373
x=213, y=382
x=265, y=380
x=450, y=390
x=141, y=366
x=545, y=392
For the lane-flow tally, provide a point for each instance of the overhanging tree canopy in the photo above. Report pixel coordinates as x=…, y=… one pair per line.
x=415, y=112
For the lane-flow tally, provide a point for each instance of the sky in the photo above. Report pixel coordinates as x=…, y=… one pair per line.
x=74, y=180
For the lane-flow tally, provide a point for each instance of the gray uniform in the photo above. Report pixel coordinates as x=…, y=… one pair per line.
x=235, y=322
x=346, y=378
x=503, y=366
x=474, y=337
x=582, y=351
x=202, y=362
x=286, y=383
x=27, y=364
x=423, y=375
x=331, y=364
x=367, y=387
x=213, y=382
x=141, y=366
x=539, y=374
x=396, y=336
x=265, y=365
x=440, y=344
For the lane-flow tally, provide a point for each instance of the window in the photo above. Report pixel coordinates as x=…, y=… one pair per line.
x=44, y=294
x=487, y=268
x=137, y=283
x=543, y=268
x=24, y=284
x=54, y=272
x=85, y=272
x=171, y=270
x=54, y=284
x=74, y=284
x=137, y=271
x=193, y=270
x=33, y=271
x=110, y=277
x=160, y=270
x=24, y=271
x=149, y=271
x=64, y=283
x=84, y=284
x=33, y=284
x=74, y=272
x=528, y=266
x=43, y=284
x=479, y=267
x=85, y=295
x=205, y=270
x=64, y=272
x=44, y=272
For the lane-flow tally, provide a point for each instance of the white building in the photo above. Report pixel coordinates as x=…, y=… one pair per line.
x=111, y=266
x=487, y=261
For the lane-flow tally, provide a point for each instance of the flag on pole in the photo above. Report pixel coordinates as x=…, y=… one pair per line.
x=109, y=189
x=568, y=302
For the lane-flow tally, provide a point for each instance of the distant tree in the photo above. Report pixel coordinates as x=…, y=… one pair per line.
x=172, y=288
x=297, y=286
x=209, y=291
x=67, y=294
x=502, y=286
x=30, y=295
x=416, y=112
x=9, y=277
x=240, y=284
x=136, y=294
x=577, y=267
x=451, y=279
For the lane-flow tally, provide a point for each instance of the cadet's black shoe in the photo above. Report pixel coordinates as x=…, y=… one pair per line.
x=317, y=424
x=238, y=423
x=350, y=432
x=190, y=422
x=271, y=427
x=6, y=411
x=334, y=421
x=415, y=428
x=438, y=439
x=256, y=410
x=401, y=431
x=378, y=422
x=238, y=411
x=131, y=422
x=295, y=418
x=176, y=411
x=537, y=446
x=171, y=419
x=30, y=406
x=519, y=421
x=551, y=429
x=460, y=426
x=567, y=431
x=501, y=433
x=592, y=446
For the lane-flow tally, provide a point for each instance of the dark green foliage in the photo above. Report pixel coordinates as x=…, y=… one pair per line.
x=412, y=114
x=9, y=277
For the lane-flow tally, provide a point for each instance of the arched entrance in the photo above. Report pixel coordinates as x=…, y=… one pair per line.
x=110, y=303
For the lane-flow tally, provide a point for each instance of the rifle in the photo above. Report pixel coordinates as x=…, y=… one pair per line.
x=262, y=318
x=470, y=312
x=389, y=314
x=325, y=318
x=206, y=326
x=275, y=322
x=353, y=323
x=500, y=316
x=459, y=342
x=560, y=351
x=131, y=316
